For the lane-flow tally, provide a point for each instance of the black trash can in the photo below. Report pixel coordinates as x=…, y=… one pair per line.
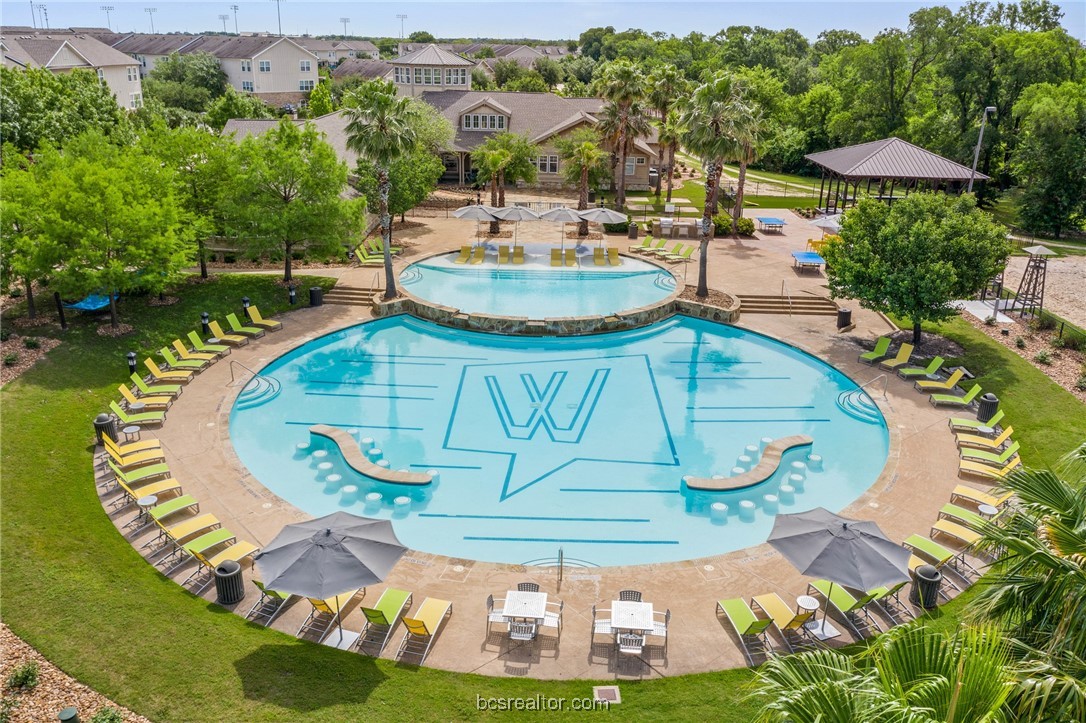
x=107, y=425
x=591, y=196
x=989, y=404
x=926, y=582
x=632, y=232
x=844, y=318
x=316, y=296
x=229, y=587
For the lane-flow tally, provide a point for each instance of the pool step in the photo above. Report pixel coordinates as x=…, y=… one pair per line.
x=553, y=562
x=858, y=405
x=794, y=305
x=350, y=296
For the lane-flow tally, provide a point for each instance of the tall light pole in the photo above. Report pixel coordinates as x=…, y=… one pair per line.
x=980, y=140
x=235, y=9
x=151, y=14
x=33, y=15
x=44, y=15
x=345, y=21
x=107, y=9
x=279, y=17
x=401, y=18
x=224, y=18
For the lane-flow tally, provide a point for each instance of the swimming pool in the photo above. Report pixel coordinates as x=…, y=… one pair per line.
x=579, y=443
x=536, y=289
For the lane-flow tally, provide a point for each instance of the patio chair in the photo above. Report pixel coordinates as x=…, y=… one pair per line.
x=465, y=254
x=659, y=627
x=932, y=550
x=613, y=258
x=932, y=385
x=888, y=600
x=630, y=644
x=599, y=257
x=138, y=419
x=958, y=424
x=987, y=471
x=143, y=486
x=518, y=254
x=979, y=497
x=170, y=507
x=954, y=400
x=239, y=328
x=556, y=257
x=382, y=618
x=788, y=622
x=662, y=253
x=934, y=366
x=553, y=619
x=571, y=257
x=260, y=321
x=988, y=443
x=134, y=459
x=173, y=390
x=522, y=631
x=878, y=352
x=992, y=458
x=424, y=628
x=970, y=518
x=171, y=376
x=600, y=625
x=325, y=614
x=527, y=587
x=629, y=595
x=202, y=346
x=903, y=353
x=270, y=604
x=916, y=562
x=684, y=256
x=641, y=247
x=749, y=627
x=377, y=247
x=366, y=257
x=504, y=255
x=151, y=403
x=659, y=246
x=117, y=450
x=478, y=255
x=231, y=339
x=955, y=531
x=172, y=536
x=493, y=614
x=183, y=352
x=852, y=610
x=174, y=363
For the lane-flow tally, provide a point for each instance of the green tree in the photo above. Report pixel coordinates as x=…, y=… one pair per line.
x=669, y=137
x=611, y=124
x=666, y=84
x=506, y=70
x=749, y=131
x=910, y=673
x=591, y=41
x=26, y=254
x=480, y=80
x=287, y=194
x=112, y=214
x=914, y=258
x=710, y=122
x=550, y=70
x=489, y=162
x=528, y=82
x=236, y=105
x=421, y=36
x=581, y=67
x=39, y=107
x=379, y=129
x=320, y=100
x=188, y=81
x=574, y=89
x=485, y=52
x=621, y=84
x=583, y=161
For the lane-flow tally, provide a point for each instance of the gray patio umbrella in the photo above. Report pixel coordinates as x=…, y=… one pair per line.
x=515, y=213
x=603, y=215
x=330, y=555
x=475, y=213
x=562, y=215
x=829, y=223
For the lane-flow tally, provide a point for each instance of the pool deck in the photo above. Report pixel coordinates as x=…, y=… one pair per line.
x=918, y=477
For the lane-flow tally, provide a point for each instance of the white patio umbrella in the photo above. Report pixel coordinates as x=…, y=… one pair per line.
x=603, y=215
x=561, y=215
x=829, y=223
x=515, y=213
x=475, y=213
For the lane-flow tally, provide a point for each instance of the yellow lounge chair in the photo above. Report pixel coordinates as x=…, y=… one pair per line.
x=269, y=324
x=503, y=255
x=975, y=440
x=325, y=614
x=424, y=627
x=518, y=254
x=465, y=254
x=904, y=352
x=929, y=385
x=598, y=256
x=235, y=553
x=956, y=531
x=613, y=258
x=231, y=339
x=148, y=402
x=478, y=255
x=980, y=469
x=556, y=257
x=184, y=353
x=571, y=257
x=143, y=445
x=133, y=491
x=128, y=462
x=787, y=622
x=965, y=492
x=174, y=375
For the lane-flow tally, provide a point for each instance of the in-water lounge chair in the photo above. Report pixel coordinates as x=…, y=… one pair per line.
x=202, y=346
x=878, y=352
x=932, y=368
x=382, y=618
x=853, y=610
x=556, y=257
x=138, y=418
x=979, y=497
x=954, y=400
x=903, y=353
x=932, y=385
x=989, y=443
x=750, y=629
x=423, y=628
x=571, y=257
x=184, y=353
x=518, y=254
x=269, y=324
x=325, y=614
x=231, y=339
x=157, y=390
x=478, y=255
x=504, y=255
x=174, y=363
x=598, y=256
x=173, y=375
x=465, y=254
x=155, y=402
x=238, y=328
x=788, y=622
x=613, y=258
x=987, y=471
x=992, y=458
x=958, y=424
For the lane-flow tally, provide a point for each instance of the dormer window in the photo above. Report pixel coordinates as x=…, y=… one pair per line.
x=482, y=122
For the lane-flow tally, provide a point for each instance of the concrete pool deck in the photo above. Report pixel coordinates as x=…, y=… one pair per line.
x=919, y=474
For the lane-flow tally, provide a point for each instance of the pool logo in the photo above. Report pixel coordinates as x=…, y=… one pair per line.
x=545, y=416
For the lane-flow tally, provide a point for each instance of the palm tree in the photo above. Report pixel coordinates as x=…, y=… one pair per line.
x=666, y=83
x=490, y=162
x=621, y=84
x=710, y=120
x=670, y=133
x=911, y=673
x=612, y=126
x=749, y=131
x=581, y=159
x=379, y=129
x=1036, y=591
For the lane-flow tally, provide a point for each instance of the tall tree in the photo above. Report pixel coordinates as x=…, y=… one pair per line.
x=582, y=161
x=669, y=137
x=749, y=129
x=379, y=129
x=189, y=81
x=636, y=125
x=666, y=85
x=505, y=158
x=710, y=121
x=320, y=100
x=913, y=259
x=622, y=84
x=489, y=163
x=232, y=104
x=26, y=254
x=288, y=194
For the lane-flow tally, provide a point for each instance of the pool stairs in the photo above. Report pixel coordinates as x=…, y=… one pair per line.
x=555, y=561
x=259, y=390
x=858, y=405
x=802, y=305
x=341, y=295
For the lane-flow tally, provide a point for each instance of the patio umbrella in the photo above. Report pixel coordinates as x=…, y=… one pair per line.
x=828, y=223
x=851, y=553
x=475, y=213
x=515, y=213
x=603, y=215
x=561, y=215
x=330, y=555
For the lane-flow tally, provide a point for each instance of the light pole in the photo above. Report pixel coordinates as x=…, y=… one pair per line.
x=345, y=21
x=279, y=17
x=107, y=9
x=44, y=15
x=224, y=18
x=401, y=18
x=980, y=139
x=151, y=14
x=235, y=9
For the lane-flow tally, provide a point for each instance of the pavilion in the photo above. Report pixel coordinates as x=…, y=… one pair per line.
x=887, y=165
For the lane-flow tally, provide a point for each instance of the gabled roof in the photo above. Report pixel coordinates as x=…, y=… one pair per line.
x=333, y=126
x=244, y=47
x=575, y=119
x=363, y=45
x=363, y=68
x=432, y=55
x=41, y=49
x=154, y=44
x=486, y=101
x=891, y=158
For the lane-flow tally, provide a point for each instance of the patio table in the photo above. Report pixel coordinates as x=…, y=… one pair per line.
x=807, y=260
x=631, y=616
x=525, y=605
x=770, y=223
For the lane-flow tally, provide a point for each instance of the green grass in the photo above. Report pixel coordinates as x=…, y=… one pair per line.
x=694, y=192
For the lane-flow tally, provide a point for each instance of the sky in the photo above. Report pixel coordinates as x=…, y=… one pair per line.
x=488, y=18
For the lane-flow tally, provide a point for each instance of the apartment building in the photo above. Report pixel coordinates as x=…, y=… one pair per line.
x=275, y=69
x=428, y=69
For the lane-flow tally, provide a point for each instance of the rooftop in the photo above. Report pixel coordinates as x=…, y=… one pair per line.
x=432, y=55
x=40, y=49
x=891, y=158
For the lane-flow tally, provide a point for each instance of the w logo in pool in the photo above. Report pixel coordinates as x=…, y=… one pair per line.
x=564, y=423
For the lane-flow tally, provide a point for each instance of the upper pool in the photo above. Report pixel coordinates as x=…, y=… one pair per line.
x=578, y=443
x=535, y=289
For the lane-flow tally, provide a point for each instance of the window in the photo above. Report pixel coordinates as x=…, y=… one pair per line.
x=304, y=66
x=474, y=121
x=305, y=85
x=101, y=76
x=133, y=74
x=247, y=86
x=396, y=76
x=640, y=160
x=631, y=166
x=135, y=100
x=418, y=76
x=456, y=76
x=246, y=66
x=546, y=164
x=265, y=66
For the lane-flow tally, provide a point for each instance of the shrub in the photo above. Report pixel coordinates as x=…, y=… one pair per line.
x=7, y=708
x=723, y=225
x=15, y=292
x=5, y=334
x=990, y=321
x=1081, y=383
x=30, y=343
x=746, y=227
x=1072, y=341
x=10, y=359
x=622, y=227
x=1020, y=342
x=25, y=676
x=1043, y=357
x=1058, y=343
x=107, y=715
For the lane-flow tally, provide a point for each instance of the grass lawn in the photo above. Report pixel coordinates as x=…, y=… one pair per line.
x=78, y=592
x=694, y=191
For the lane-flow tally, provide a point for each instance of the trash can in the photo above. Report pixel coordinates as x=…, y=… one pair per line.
x=591, y=196
x=844, y=318
x=69, y=715
x=229, y=587
x=105, y=424
x=926, y=582
x=989, y=404
x=632, y=232
x=316, y=296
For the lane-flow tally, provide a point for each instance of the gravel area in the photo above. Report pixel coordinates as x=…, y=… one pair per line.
x=1064, y=284
x=54, y=692
x=26, y=358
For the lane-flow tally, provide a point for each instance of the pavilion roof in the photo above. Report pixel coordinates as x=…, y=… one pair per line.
x=891, y=158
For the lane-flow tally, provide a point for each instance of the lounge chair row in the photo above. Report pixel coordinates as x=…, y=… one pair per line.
x=372, y=252
x=476, y=255
x=677, y=253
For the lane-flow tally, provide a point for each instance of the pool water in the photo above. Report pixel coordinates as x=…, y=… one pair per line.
x=576, y=443
x=535, y=289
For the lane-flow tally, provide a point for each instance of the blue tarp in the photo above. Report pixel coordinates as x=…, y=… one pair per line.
x=93, y=302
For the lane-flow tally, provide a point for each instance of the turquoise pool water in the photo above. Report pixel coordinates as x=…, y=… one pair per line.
x=535, y=289
x=577, y=443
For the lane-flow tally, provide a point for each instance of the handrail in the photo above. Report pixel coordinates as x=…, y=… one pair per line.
x=561, y=564
x=251, y=372
x=885, y=380
x=786, y=297
x=375, y=285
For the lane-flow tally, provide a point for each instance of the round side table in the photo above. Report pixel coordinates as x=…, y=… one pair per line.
x=131, y=433
x=987, y=511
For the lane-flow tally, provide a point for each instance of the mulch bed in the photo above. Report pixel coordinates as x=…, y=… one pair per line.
x=26, y=358
x=715, y=298
x=119, y=330
x=164, y=301
x=592, y=236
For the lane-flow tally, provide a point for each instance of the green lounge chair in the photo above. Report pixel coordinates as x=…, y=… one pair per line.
x=955, y=512
x=162, y=510
x=992, y=458
x=954, y=400
x=174, y=363
x=749, y=627
x=878, y=352
x=853, y=610
x=933, y=367
x=662, y=254
x=932, y=385
x=140, y=474
x=237, y=327
x=643, y=246
x=365, y=258
x=789, y=623
x=200, y=345
x=973, y=425
x=684, y=256
x=943, y=557
x=157, y=390
x=903, y=353
x=140, y=418
x=888, y=600
x=658, y=246
x=381, y=619
x=377, y=247
x=270, y=604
